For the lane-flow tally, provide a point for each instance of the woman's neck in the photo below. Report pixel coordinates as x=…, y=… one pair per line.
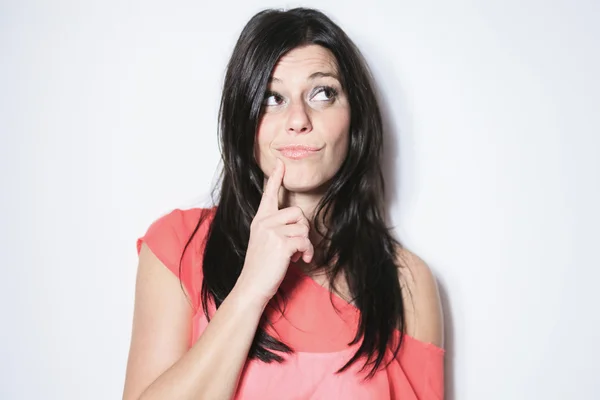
x=306, y=201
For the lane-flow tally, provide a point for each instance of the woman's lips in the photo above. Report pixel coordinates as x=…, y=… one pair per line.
x=297, y=152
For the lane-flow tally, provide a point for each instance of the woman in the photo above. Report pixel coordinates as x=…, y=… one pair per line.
x=293, y=288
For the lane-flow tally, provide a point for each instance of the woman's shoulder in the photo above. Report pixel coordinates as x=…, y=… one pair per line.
x=168, y=234
x=422, y=303
x=167, y=237
x=179, y=223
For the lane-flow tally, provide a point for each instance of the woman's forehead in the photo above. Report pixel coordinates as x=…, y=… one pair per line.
x=307, y=62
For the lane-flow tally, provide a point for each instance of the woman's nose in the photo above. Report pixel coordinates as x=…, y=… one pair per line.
x=298, y=120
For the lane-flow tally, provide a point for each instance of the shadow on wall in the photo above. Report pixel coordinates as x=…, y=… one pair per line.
x=390, y=166
x=448, y=342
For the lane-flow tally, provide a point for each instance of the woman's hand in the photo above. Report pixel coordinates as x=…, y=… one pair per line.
x=276, y=238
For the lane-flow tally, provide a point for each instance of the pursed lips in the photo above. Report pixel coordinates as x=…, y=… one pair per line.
x=297, y=151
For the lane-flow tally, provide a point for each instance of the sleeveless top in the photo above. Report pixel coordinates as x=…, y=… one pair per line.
x=316, y=324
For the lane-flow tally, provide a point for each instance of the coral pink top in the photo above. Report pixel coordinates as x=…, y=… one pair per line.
x=318, y=333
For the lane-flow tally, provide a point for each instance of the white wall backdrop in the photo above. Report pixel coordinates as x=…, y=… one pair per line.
x=108, y=120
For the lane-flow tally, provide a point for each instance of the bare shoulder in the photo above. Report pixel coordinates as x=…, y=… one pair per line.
x=422, y=304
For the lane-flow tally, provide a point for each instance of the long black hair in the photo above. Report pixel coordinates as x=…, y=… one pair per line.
x=358, y=246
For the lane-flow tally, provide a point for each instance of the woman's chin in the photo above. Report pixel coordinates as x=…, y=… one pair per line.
x=303, y=187
x=299, y=188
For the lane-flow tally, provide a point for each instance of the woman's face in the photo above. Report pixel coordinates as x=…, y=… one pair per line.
x=305, y=121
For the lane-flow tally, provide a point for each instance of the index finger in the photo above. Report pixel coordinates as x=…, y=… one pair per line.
x=270, y=198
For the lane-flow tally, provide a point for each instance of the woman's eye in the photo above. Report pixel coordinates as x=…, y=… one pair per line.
x=272, y=99
x=325, y=94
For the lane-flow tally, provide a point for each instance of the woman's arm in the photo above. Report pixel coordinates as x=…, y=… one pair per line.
x=422, y=306
x=160, y=365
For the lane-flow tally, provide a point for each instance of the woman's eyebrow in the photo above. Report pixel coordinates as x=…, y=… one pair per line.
x=312, y=76
x=323, y=75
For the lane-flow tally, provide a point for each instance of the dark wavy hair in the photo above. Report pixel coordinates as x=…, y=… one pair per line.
x=358, y=244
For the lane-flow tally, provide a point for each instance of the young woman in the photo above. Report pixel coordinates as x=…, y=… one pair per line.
x=291, y=287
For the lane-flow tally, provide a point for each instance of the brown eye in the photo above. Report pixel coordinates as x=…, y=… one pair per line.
x=272, y=99
x=324, y=93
